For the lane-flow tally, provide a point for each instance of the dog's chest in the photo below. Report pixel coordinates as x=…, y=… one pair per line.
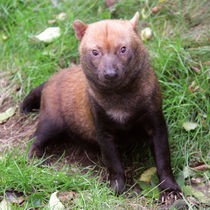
x=118, y=115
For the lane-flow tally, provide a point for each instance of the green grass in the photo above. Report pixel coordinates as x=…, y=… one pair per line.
x=38, y=182
x=180, y=42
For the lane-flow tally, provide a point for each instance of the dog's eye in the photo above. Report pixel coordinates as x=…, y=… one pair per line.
x=95, y=52
x=123, y=50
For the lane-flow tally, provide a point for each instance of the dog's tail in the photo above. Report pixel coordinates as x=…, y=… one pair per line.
x=32, y=100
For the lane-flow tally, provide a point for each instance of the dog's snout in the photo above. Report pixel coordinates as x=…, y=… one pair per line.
x=110, y=73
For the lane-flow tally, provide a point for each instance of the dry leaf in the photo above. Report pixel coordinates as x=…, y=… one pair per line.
x=54, y=203
x=110, y=3
x=195, y=180
x=147, y=175
x=7, y=114
x=67, y=196
x=61, y=16
x=146, y=34
x=49, y=34
x=192, y=87
x=196, y=69
x=202, y=167
x=189, y=126
x=14, y=196
x=51, y=21
x=5, y=205
x=156, y=9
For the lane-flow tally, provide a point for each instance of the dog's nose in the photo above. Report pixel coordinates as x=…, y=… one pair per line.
x=110, y=74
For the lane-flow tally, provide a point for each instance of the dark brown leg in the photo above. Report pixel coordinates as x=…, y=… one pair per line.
x=158, y=141
x=46, y=131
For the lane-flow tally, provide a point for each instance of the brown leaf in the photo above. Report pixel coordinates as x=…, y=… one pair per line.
x=196, y=69
x=193, y=87
x=156, y=9
x=146, y=34
x=202, y=167
x=67, y=196
x=14, y=196
x=110, y=3
x=195, y=180
x=51, y=21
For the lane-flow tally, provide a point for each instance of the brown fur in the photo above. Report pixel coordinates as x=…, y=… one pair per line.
x=65, y=98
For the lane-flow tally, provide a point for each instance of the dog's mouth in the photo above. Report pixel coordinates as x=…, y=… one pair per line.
x=111, y=85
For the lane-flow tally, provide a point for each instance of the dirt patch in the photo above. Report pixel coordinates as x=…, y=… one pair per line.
x=16, y=131
x=18, y=128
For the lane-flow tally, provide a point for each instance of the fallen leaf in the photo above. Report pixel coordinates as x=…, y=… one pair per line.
x=201, y=167
x=14, y=196
x=195, y=180
x=49, y=34
x=67, y=196
x=5, y=205
x=196, y=69
x=147, y=175
x=146, y=34
x=61, y=16
x=192, y=87
x=156, y=9
x=4, y=116
x=54, y=203
x=51, y=21
x=110, y=3
x=189, y=126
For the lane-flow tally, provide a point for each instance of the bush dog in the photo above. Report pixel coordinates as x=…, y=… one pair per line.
x=113, y=95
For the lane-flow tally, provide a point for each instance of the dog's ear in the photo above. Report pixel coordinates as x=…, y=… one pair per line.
x=135, y=21
x=79, y=28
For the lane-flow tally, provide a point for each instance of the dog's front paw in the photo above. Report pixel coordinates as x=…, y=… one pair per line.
x=118, y=184
x=35, y=151
x=169, y=197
